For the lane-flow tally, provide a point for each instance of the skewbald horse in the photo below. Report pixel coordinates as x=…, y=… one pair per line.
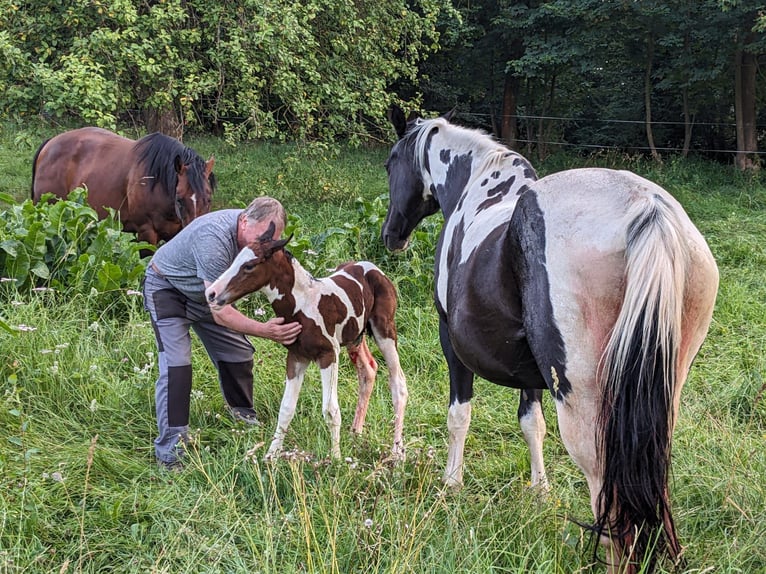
x=590, y=283
x=333, y=312
x=156, y=184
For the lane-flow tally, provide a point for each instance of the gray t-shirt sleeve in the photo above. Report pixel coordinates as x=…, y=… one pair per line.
x=201, y=252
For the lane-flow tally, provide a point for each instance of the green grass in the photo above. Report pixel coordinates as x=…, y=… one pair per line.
x=79, y=491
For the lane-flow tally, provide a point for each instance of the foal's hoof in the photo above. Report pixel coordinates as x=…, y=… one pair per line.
x=452, y=482
x=272, y=455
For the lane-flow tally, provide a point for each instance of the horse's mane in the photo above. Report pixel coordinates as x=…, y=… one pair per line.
x=488, y=151
x=157, y=153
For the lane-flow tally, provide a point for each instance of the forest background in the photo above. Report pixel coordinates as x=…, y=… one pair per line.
x=650, y=76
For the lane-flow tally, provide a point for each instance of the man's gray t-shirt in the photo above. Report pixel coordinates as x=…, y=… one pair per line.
x=200, y=252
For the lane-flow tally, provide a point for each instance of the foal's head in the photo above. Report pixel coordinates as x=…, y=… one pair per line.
x=252, y=269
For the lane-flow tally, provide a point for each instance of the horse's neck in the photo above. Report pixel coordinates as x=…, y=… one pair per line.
x=473, y=177
x=291, y=279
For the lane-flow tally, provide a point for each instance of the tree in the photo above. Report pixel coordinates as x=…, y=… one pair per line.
x=267, y=68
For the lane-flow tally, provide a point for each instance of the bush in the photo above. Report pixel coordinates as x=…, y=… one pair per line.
x=64, y=246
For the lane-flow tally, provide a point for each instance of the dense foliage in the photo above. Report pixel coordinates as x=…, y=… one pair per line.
x=595, y=73
x=657, y=76
x=257, y=69
x=62, y=245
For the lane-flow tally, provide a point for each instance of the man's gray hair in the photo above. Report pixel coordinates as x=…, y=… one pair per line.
x=265, y=209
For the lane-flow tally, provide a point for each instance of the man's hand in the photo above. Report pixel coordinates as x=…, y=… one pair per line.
x=277, y=330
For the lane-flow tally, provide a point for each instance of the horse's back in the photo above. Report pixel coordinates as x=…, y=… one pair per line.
x=88, y=156
x=575, y=228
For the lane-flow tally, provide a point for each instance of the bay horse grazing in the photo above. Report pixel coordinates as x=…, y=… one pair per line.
x=333, y=312
x=156, y=184
x=590, y=283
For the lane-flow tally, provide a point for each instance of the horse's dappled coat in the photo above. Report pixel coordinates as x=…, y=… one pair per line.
x=591, y=283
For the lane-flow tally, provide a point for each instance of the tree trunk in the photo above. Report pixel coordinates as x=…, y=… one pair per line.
x=164, y=121
x=648, y=97
x=688, y=123
x=509, y=132
x=745, y=108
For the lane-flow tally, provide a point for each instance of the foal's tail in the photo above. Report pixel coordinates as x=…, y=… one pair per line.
x=34, y=168
x=639, y=382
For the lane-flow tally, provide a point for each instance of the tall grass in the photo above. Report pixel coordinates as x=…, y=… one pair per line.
x=79, y=491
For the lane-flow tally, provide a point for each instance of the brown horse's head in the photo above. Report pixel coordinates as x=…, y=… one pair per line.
x=194, y=187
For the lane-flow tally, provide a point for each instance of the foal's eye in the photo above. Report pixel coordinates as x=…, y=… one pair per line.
x=248, y=266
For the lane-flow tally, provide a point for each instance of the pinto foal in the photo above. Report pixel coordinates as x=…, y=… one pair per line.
x=333, y=312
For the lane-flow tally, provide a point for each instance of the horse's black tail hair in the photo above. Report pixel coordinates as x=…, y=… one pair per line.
x=639, y=382
x=34, y=168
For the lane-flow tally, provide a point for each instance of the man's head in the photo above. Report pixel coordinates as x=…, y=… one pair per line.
x=257, y=216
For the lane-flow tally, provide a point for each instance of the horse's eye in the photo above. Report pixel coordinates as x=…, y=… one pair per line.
x=248, y=266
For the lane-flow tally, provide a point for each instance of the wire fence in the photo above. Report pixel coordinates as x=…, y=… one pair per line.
x=639, y=148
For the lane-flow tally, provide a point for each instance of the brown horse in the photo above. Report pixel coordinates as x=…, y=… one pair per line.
x=156, y=184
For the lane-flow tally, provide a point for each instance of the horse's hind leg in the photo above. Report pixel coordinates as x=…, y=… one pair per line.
x=366, y=370
x=397, y=383
x=532, y=423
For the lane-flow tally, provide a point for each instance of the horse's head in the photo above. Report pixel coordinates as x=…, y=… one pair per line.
x=194, y=188
x=251, y=270
x=410, y=201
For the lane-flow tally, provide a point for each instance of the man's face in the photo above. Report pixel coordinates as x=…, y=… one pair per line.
x=248, y=232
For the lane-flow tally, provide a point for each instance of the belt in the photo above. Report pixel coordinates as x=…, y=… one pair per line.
x=156, y=270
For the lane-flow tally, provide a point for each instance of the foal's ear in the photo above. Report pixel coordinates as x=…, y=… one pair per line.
x=209, y=166
x=450, y=114
x=396, y=117
x=268, y=235
x=275, y=246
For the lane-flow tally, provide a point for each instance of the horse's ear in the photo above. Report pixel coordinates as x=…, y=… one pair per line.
x=209, y=166
x=396, y=117
x=268, y=235
x=275, y=246
x=179, y=164
x=414, y=115
x=450, y=114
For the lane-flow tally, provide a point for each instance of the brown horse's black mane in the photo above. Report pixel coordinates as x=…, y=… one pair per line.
x=158, y=152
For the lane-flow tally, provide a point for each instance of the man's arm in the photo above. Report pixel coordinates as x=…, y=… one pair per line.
x=275, y=329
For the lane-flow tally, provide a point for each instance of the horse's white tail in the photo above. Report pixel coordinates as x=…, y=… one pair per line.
x=639, y=379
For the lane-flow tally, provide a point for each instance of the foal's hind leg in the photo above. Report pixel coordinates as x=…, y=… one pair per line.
x=397, y=383
x=532, y=423
x=366, y=369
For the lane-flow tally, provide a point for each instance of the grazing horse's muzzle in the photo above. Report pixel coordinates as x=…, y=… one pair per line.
x=394, y=243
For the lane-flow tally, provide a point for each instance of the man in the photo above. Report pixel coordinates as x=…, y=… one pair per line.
x=174, y=295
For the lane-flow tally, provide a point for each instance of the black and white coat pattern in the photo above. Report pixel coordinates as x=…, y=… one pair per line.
x=590, y=283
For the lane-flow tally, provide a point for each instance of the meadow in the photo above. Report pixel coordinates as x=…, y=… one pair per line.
x=79, y=490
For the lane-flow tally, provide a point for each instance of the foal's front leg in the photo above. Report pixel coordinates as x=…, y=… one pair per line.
x=296, y=368
x=330, y=407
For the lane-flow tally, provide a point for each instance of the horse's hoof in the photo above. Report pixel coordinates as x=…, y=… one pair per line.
x=272, y=455
x=452, y=482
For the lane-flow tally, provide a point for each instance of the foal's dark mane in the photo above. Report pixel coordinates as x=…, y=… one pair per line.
x=157, y=152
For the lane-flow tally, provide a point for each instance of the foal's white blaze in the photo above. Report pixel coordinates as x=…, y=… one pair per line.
x=221, y=285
